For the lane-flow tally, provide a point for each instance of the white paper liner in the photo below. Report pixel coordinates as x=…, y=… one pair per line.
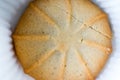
x=10, y=11
x=112, y=68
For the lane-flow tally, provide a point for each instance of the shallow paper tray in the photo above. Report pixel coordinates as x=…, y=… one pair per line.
x=10, y=12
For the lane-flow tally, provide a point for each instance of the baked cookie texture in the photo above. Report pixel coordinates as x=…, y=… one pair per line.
x=63, y=40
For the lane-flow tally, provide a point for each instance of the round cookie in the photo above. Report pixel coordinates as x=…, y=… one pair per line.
x=63, y=40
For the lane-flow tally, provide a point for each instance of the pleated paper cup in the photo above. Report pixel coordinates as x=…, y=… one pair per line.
x=112, y=68
x=10, y=12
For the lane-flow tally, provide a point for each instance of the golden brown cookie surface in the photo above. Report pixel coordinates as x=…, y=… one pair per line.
x=63, y=40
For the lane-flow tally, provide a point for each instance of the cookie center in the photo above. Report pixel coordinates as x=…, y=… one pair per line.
x=67, y=38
